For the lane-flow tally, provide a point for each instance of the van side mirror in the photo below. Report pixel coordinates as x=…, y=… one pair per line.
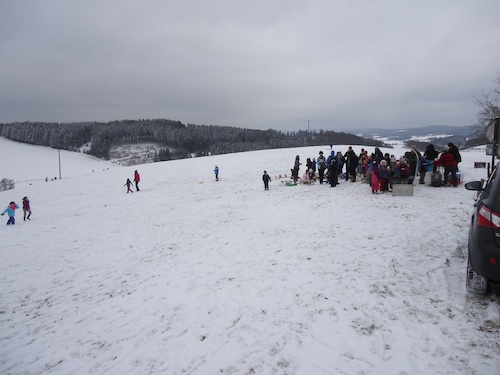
x=474, y=185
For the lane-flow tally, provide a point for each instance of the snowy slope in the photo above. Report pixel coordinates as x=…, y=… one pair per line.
x=193, y=276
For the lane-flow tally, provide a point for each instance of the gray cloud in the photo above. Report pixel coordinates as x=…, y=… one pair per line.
x=259, y=64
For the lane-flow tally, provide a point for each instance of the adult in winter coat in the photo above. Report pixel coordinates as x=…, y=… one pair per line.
x=26, y=208
x=455, y=153
x=429, y=155
x=340, y=162
x=137, y=178
x=333, y=171
x=296, y=167
x=11, y=211
x=450, y=166
x=413, y=157
x=321, y=166
x=427, y=162
x=378, y=155
x=352, y=163
x=266, y=180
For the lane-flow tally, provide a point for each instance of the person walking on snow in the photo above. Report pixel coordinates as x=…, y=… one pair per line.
x=26, y=208
x=266, y=180
x=128, y=184
x=137, y=178
x=216, y=171
x=11, y=211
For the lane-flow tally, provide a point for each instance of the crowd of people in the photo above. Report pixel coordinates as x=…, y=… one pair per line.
x=381, y=170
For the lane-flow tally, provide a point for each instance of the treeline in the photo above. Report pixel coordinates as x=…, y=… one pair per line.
x=175, y=140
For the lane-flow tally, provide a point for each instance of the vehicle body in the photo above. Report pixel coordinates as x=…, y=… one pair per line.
x=483, y=266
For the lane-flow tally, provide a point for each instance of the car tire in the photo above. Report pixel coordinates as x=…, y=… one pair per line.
x=476, y=283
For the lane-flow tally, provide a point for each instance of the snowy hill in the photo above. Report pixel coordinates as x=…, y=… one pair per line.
x=194, y=276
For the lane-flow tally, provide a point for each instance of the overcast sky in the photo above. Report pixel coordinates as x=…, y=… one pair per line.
x=283, y=65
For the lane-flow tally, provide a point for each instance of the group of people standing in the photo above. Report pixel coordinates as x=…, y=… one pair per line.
x=329, y=168
x=378, y=169
x=381, y=170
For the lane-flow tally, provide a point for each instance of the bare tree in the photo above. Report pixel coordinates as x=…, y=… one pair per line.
x=488, y=106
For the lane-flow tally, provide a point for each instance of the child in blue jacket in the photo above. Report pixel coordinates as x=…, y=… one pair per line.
x=11, y=211
x=216, y=171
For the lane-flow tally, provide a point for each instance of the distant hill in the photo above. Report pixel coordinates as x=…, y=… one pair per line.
x=433, y=131
x=151, y=140
x=439, y=135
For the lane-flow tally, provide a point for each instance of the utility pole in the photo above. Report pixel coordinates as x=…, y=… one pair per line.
x=59, y=152
x=308, y=126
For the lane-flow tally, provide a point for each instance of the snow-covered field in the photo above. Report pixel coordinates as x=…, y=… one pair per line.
x=194, y=276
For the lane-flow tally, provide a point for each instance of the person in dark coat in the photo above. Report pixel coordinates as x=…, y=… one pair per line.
x=351, y=164
x=340, y=162
x=455, y=153
x=430, y=155
x=413, y=158
x=296, y=167
x=26, y=208
x=427, y=162
x=308, y=164
x=379, y=156
x=266, y=180
x=333, y=171
x=321, y=166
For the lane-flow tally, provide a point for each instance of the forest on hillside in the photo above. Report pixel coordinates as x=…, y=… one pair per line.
x=174, y=139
